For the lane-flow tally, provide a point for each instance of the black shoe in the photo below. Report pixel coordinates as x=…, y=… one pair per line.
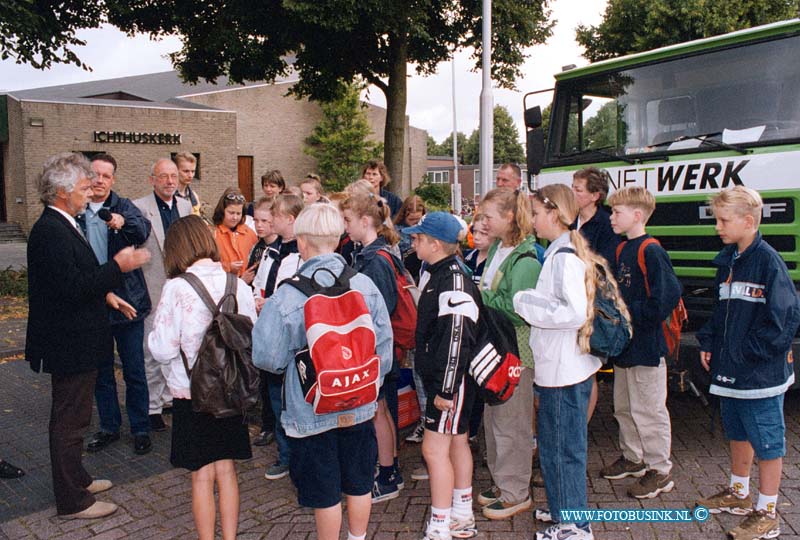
x=157, y=423
x=264, y=438
x=100, y=440
x=9, y=471
x=142, y=444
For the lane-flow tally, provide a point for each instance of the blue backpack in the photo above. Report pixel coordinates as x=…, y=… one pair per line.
x=611, y=330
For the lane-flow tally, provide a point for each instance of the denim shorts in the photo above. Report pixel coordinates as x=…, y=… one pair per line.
x=757, y=421
x=336, y=462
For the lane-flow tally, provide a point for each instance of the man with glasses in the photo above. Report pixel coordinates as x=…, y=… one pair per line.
x=162, y=208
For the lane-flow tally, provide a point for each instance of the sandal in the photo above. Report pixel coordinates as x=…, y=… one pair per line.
x=7, y=470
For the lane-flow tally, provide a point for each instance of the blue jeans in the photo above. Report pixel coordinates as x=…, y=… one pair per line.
x=130, y=339
x=562, y=434
x=275, y=388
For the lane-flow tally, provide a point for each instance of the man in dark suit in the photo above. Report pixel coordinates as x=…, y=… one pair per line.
x=68, y=326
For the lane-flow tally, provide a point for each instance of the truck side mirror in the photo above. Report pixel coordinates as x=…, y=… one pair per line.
x=534, y=150
x=533, y=117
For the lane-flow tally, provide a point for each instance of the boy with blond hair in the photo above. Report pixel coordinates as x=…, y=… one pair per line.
x=447, y=329
x=746, y=346
x=651, y=291
x=332, y=454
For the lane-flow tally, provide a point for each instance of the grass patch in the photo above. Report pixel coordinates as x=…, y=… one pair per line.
x=14, y=282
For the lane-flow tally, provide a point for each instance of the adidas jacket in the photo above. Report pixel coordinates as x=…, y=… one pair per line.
x=447, y=326
x=756, y=316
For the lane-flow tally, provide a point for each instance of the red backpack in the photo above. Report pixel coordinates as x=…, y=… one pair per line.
x=404, y=316
x=339, y=369
x=673, y=324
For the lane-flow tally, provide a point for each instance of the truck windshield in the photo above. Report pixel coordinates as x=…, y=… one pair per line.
x=745, y=95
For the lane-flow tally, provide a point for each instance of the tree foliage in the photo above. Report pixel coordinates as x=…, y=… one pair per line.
x=328, y=43
x=446, y=147
x=507, y=147
x=42, y=32
x=436, y=196
x=630, y=26
x=340, y=142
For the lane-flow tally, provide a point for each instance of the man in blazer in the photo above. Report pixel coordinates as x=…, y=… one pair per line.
x=161, y=208
x=68, y=327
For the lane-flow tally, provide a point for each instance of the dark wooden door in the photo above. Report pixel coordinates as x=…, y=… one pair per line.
x=246, y=176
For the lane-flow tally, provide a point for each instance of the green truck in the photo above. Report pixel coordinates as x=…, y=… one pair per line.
x=685, y=121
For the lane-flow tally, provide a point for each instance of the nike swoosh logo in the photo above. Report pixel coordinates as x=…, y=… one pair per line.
x=451, y=304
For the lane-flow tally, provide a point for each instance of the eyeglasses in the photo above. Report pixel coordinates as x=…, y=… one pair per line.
x=235, y=197
x=545, y=200
x=165, y=176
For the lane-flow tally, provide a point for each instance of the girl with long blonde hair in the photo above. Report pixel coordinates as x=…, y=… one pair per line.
x=560, y=311
x=511, y=266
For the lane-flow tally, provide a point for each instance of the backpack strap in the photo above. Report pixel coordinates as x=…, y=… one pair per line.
x=640, y=259
x=201, y=290
x=231, y=284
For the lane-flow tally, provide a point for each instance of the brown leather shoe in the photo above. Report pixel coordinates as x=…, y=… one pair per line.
x=99, y=509
x=99, y=486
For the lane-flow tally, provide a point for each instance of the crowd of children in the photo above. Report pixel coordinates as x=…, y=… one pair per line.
x=365, y=237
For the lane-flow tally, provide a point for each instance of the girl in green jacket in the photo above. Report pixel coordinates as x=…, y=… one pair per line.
x=511, y=266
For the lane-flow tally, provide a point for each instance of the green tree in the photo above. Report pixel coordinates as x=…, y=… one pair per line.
x=600, y=131
x=42, y=32
x=327, y=43
x=433, y=147
x=340, y=142
x=630, y=26
x=472, y=148
x=436, y=196
x=446, y=147
x=507, y=148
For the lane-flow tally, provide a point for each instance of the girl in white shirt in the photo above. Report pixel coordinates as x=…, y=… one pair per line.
x=201, y=443
x=560, y=311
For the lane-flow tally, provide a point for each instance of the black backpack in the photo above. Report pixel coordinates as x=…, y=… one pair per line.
x=611, y=331
x=224, y=382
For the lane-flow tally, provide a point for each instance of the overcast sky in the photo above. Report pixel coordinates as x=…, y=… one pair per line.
x=112, y=54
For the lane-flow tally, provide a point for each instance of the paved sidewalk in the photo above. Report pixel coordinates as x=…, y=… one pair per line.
x=154, y=499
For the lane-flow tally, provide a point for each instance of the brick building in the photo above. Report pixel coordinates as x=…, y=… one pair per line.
x=238, y=132
x=440, y=171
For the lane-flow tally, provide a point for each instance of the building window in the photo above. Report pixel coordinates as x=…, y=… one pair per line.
x=439, y=177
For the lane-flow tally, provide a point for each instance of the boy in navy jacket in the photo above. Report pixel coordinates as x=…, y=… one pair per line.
x=747, y=348
x=640, y=372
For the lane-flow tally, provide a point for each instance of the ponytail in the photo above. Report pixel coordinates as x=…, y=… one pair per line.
x=363, y=204
x=598, y=276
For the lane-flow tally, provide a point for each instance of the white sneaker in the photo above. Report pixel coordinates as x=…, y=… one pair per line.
x=420, y=473
x=463, y=527
x=417, y=434
x=543, y=515
x=434, y=534
x=564, y=531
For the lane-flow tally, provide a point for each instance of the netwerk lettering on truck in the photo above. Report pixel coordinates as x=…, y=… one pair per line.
x=758, y=171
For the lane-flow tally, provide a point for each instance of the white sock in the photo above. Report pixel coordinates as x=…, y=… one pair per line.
x=351, y=536
x=462, y=502
x=440, y=520
x=767, y=502
x=740, y=485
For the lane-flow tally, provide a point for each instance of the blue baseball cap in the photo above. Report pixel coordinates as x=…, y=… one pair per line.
x=439, y=225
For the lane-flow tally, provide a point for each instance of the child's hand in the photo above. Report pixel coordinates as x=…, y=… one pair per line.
x=443, y=404
x=705, y=360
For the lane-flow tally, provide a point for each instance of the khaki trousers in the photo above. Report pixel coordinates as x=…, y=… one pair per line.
x=509, y=441
x=640, y=407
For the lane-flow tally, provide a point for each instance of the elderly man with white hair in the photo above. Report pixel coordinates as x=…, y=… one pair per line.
x=68, y=326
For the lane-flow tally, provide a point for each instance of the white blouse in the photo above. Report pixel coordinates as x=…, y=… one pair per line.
x=181, y=320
